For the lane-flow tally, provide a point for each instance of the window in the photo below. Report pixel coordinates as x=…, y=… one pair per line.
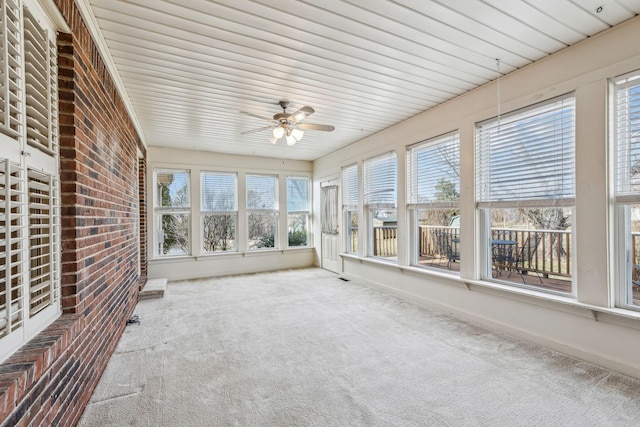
x=433, y=194
x=380, y=183
x=525, y=172
x=350, y=207
x=173, y=211
x=298, y=211
x=262, y=211
x=30, y=254
x=219, y=211
x=627, y=186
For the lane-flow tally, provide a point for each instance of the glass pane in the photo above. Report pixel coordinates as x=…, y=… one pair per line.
x=297, y=194
x=262, y=230
x=297, y=229
x=261, y=192
x=218, y=233
x=219, y=191
x=352, y=232
x=433, y=170
x=174, y=234
x=172, y=189
x=532, y=247
x=384, y=233
x=438, y=238
x=633, y=294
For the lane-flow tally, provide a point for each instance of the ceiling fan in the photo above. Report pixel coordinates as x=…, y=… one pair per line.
x=288, y=124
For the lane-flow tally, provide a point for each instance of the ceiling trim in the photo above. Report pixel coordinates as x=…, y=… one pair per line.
x=91, y=22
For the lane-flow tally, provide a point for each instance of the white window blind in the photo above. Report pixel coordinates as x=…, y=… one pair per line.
x=433, y=171
x=380, y=181
x=219, y=192
x=350, y=187
x=262, y=192
x=528, y=157
x=627, y=137
x=297, y=194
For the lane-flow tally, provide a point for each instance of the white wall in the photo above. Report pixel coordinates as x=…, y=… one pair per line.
x=244, y=261
x=584, y=324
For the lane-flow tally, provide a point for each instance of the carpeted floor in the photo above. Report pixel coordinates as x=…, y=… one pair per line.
x=304, y=348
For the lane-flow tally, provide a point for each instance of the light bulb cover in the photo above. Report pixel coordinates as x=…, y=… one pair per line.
x=278, y=132
x=291, y=140
x=273, y=139
x=297, y=134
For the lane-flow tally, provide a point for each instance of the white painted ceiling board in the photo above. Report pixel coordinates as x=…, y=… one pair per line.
x=189, y=68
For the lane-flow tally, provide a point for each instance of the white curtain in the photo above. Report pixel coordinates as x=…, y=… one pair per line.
x=329, y=217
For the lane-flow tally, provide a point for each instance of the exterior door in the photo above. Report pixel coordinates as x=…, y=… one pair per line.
x=329, y=222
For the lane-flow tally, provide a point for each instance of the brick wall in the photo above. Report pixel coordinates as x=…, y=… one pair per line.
x=50, y=379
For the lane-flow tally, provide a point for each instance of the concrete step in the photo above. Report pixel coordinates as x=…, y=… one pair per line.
x=154, y=288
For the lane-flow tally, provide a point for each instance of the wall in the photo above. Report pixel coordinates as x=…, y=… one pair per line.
x=50, y=379
x=585, y=324
x=198, y=265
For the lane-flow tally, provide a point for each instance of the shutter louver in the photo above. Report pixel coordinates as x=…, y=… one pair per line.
x=11, y=82
x=262, y=192
x=41, y=242
x=12, y=244
x=627, y=138
x=350, y=187
x=528, y=157
x=219, y=192
x=431, y=164
x=380, y=181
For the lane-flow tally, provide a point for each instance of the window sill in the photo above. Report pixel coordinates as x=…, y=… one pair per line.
x=223, y=255
x=614, y=315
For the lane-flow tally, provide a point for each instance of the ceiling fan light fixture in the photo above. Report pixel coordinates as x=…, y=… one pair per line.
x=278, y=132
x=273, y=139
x=291, y=140
x=297, y=134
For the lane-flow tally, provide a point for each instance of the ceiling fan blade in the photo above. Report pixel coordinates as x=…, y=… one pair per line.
x=301, y=114
x=312, y=126
x=268, y=119
x=256, y=130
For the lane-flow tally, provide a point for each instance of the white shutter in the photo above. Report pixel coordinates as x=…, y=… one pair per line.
x=627, y=137
x=528, y=157
x=219, y=192
x=262, y=192
x=297, y=194
x=11, y=79
x=350, y=187
x=380, y=181
x=12, y=247
x=41, y=242
x=429, y=164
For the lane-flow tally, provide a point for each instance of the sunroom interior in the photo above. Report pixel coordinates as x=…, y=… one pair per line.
x=480, y=158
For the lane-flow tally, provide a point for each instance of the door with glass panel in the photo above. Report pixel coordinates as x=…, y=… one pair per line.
x=329, y=223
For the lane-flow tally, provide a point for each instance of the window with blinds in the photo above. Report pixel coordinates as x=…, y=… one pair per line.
x=528, y=157
x=433, y=171
x=350, y=207
x=262, y=211
x=626, y=130
x=380, y=181
x=30, y=254
x=433, y=194
x=298, y=210
x=219, y=206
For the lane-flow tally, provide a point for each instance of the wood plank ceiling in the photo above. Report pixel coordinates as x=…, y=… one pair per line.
x=189, y=67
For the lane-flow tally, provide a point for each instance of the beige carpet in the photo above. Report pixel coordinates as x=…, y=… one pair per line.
x=304, y=348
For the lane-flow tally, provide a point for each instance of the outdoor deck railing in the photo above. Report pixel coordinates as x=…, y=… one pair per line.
x=552, y=256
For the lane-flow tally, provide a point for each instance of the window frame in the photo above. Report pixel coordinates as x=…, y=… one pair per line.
x=233, y=211
x=350, y=196
x=274, y=212
x=625, y=197
x=377, y=199
x=561, y=195
x=416, y=201
x=306, y=212
x=159, y=211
